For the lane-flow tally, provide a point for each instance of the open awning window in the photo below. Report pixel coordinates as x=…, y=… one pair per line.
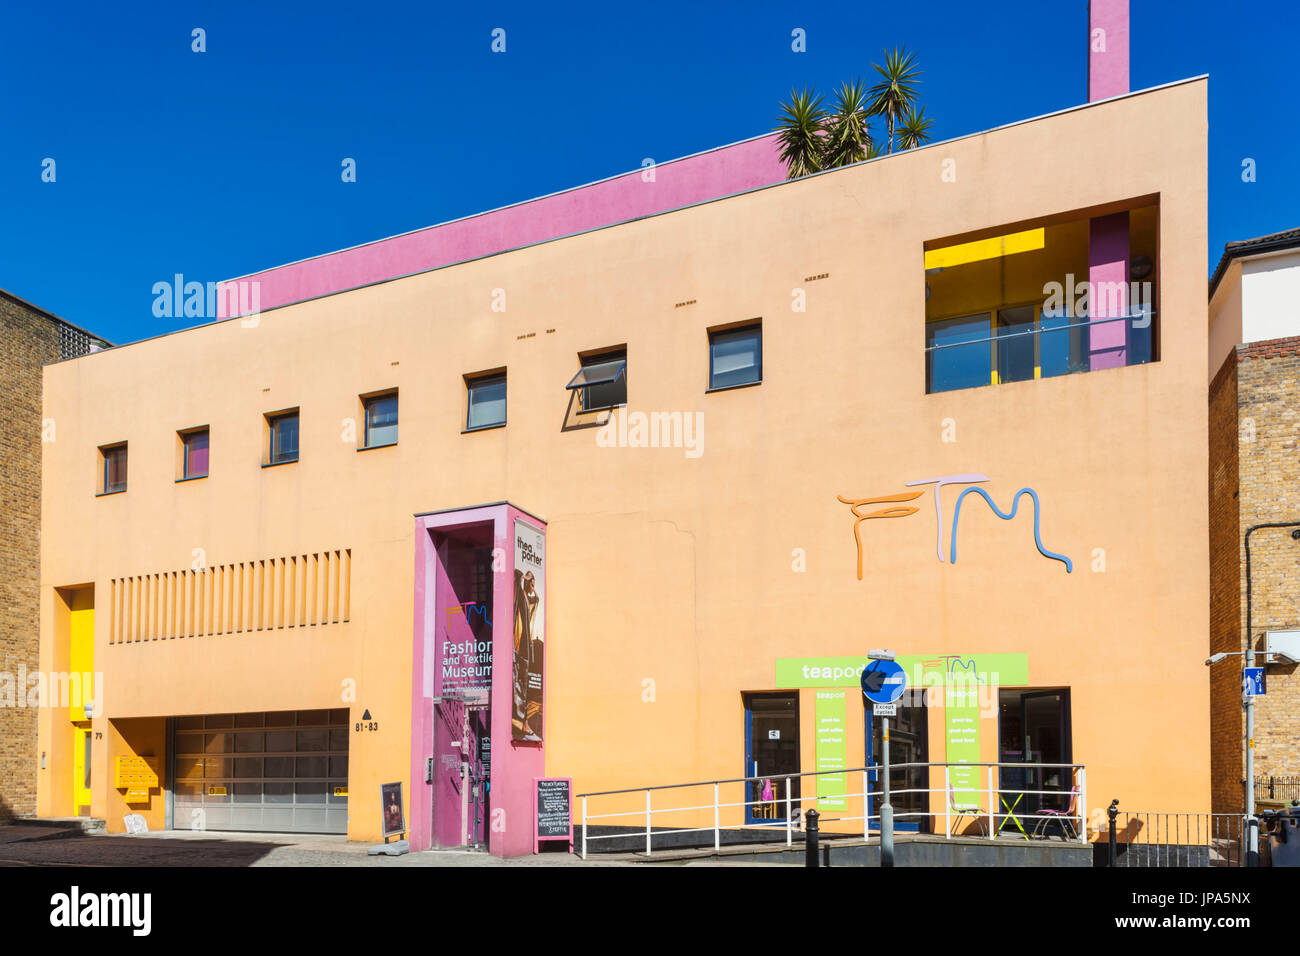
x=602, y=373
x=602, y=381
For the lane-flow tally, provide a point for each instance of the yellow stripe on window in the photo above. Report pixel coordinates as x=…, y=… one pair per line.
x=999, y=246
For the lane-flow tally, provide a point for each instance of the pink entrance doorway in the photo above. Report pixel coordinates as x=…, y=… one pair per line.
x=477, y=736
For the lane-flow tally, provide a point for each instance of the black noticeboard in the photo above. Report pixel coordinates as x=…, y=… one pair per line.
x=552, y=811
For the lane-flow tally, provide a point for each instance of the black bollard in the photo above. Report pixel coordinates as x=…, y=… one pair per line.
x=810, y=841
x=1112, y=812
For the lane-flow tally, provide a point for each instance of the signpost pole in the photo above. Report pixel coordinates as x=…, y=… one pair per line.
x=886, y=808
x=883, y=683
x=1252, y=825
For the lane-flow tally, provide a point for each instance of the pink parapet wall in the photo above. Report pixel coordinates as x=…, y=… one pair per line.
x=1108, y=36
x=669, y=185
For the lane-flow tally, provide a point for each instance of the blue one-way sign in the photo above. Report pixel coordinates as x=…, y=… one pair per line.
x=883, y=682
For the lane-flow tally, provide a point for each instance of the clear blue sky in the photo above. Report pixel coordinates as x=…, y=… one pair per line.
x=215, y=165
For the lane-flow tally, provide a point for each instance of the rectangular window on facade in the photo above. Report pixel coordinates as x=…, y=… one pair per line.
x=486, y=401
x=602, y=381
x=194, y=453
x=381, y=419
x=283, y=430
x=736, y=356
x=112, y=468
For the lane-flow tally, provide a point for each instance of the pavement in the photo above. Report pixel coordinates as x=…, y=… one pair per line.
x=35, y=845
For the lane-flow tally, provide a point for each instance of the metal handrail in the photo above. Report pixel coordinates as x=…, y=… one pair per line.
x=872, y=768
x=1077, y=794
x=1039, y=331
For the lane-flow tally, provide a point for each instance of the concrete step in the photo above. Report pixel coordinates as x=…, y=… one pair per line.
x=51, y=828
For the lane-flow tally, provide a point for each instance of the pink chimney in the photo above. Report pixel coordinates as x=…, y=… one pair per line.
x=1107, y=49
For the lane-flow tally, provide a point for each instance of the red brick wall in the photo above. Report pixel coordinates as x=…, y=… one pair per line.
x=1226, y=723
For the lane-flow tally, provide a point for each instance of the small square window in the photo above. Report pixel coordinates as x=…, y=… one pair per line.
x=283, y=429
x=736, y=357
x=194, y=453
x=112, y=468
x=487, y=401
x=381, y=419
x=602, y=381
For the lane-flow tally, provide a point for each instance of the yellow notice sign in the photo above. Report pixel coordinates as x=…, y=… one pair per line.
x=216, y=791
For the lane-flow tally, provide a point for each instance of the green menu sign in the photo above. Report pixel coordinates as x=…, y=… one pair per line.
x=831, y=751
x=962, y=735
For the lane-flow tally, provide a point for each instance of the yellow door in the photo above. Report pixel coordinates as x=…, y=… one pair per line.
x=81, y=769
x=82, y=664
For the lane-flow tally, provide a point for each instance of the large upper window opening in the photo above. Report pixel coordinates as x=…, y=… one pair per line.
x=1072, y=295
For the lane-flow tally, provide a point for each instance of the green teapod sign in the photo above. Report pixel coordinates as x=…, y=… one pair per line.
x=923, y=670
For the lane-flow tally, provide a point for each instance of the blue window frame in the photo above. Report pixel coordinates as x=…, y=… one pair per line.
x=114, y=469
x=284, y=437
x=736, y=357
x=381, y=420
x=486, y=403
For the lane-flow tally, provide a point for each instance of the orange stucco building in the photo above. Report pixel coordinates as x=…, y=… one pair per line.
x=273, y=633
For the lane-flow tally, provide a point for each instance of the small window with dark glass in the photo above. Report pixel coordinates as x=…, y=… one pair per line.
x=487, y=401
x=736, y=357
x=601, y=382
x=194, y=453
x=112, y=468
x=283, y=428
x=381, y=419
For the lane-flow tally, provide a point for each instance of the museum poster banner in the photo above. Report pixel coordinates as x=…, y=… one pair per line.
x=530, y=617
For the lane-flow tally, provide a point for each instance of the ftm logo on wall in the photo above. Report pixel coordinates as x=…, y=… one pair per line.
x=895, y=508
x=530, y=617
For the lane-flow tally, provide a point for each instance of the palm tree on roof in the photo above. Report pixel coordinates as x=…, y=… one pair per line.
x=895, y=95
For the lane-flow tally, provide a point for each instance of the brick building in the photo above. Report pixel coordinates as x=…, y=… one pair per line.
x=1254, y=407
x=30, y=337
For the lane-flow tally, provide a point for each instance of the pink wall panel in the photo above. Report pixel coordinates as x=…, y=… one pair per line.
x=681, y=182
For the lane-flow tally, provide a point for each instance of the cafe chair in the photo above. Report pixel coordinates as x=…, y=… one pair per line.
x=981, y=824
x=1064, y=817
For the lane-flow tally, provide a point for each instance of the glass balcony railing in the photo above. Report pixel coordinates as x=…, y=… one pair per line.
x=1013, y=345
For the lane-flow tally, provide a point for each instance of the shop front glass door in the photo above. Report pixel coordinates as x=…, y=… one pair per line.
x=1046, y=721
x=1034, y=729
x=908, y=732
x=771, y=749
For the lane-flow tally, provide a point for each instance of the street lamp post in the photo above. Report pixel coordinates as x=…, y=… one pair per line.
x=1252, y=832
x=1252, y=839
